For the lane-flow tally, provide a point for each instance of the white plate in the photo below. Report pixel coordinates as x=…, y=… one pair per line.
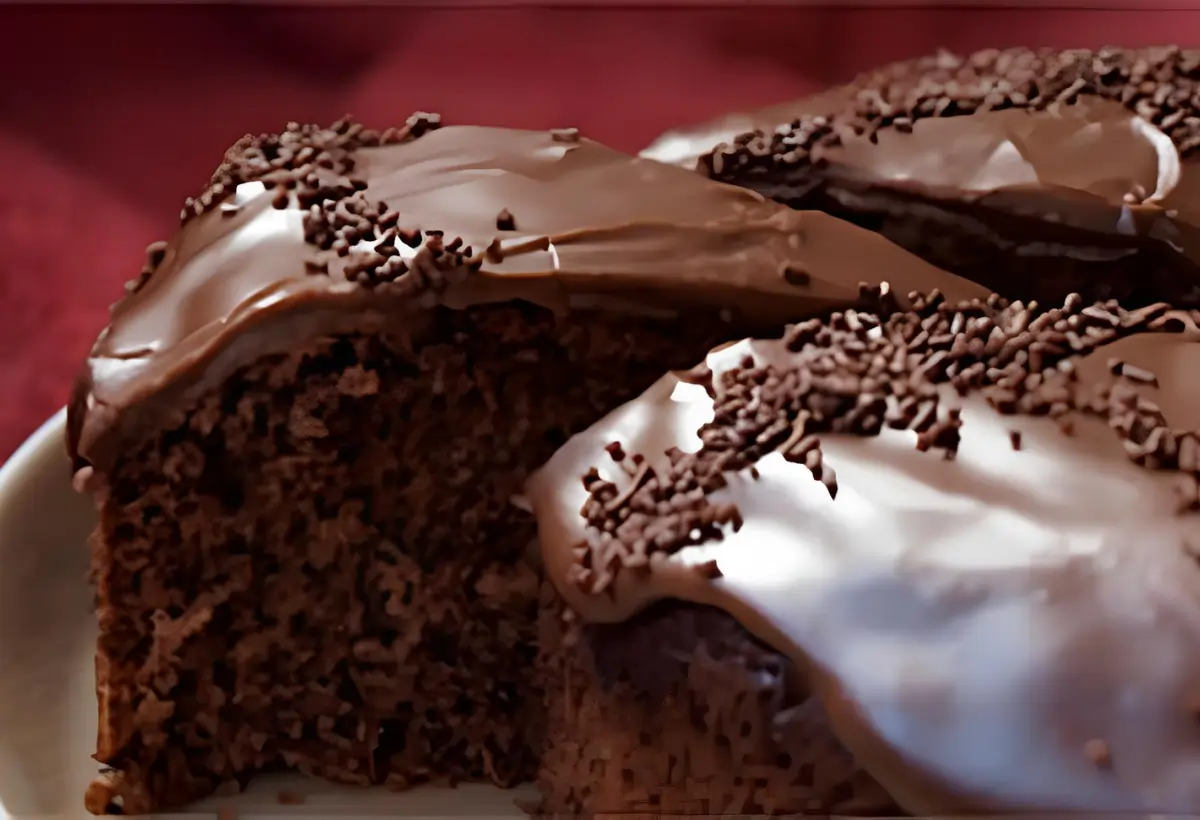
x=47, y=694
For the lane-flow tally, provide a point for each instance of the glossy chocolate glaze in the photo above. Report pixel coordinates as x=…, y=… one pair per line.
x=1055, y=182
x=1090, y=178
x=1067, y=170
x=972, y=625
x=685, y=145
x=594, y=230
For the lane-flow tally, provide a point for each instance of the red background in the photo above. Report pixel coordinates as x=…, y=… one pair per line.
x=110, y=116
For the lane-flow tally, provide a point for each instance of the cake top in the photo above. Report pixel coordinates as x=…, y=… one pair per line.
x=991, y=580
x=684, y=146
x=318, y=231
x=1102, y=144
x=1115, y=127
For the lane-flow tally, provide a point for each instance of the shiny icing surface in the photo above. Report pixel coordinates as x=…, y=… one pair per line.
x=1012, y=630
x=1073, y=165
x=1083, y=154
x=592, y=229
x=684, y=146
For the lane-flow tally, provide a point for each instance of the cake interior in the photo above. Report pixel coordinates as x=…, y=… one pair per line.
x=322, y=567
x=681, y=711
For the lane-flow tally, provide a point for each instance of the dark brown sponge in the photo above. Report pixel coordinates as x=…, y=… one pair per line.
x=681, y=711
x=321, y=566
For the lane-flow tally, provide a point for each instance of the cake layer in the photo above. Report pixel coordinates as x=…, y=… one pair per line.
x=971, y=525
x=344, y=230
x=322, y=568
x=1035, y=172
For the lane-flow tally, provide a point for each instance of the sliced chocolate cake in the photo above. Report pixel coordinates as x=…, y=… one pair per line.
x=964, y=533
x=1035, y=172
x=308, y=426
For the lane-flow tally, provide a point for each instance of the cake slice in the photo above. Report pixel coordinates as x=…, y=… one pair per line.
x=1035, y=172
x=965, y=533
x=308, y=425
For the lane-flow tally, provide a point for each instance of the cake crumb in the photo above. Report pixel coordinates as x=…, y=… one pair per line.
x=357, y=382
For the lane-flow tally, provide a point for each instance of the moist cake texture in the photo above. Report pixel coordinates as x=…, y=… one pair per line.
x=680, y=710
x=309, y=423
x=970, y=527
x=1035, y=172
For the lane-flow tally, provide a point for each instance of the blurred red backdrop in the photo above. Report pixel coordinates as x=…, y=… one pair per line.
x=110, y=116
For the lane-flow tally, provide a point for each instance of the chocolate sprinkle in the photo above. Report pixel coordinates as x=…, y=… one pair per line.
x=858, y=372
x=1135, y=374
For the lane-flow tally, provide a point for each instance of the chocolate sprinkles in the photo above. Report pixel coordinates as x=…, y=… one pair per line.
x=861, y=371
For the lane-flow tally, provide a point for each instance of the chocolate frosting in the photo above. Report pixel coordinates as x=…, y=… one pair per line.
x=1070, y=168
x=684, y=146
x=972, y=625
x=591, y=229
x=1090, y=175
x=1073, y=166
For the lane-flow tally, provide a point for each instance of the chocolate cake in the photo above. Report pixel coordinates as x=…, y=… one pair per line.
x=966, y=530
x=1035, y=172
x=309, y=423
